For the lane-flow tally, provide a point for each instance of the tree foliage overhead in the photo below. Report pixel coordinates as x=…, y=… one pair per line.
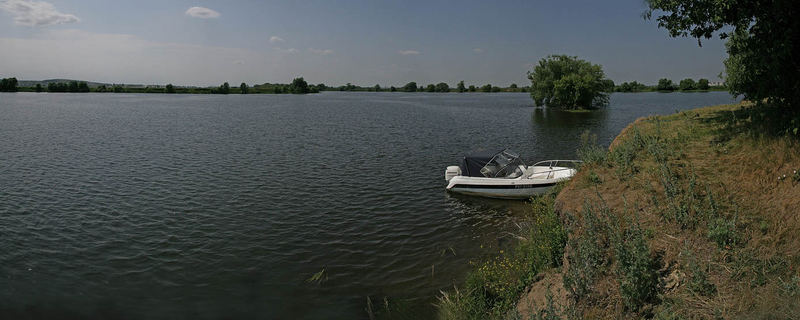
x=568, y=82
x=762, y=46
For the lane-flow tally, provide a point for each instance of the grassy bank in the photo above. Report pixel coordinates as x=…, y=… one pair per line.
x=684, y=216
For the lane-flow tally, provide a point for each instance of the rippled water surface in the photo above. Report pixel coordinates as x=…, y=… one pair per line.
x=201, y=206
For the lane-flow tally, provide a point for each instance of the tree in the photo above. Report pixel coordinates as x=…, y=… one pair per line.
x=442, y=87
x=513, y=86
x=665, y=84
x=169, y=88
x=472, y=88
x=687, y=84
x=83, y=86
x=430, y=88
x=39, y=87
x=377, y=88
x=702, y=84
x=8, y=85
x=225, y=88
x=299, y=86
x=392, y=89
x=243, y=88
x=762, y=46
x=461, y=87
x=632, y=86
x=410, y=87
x=486, y=88
x=568, y=82
x=73, y=86
x=119, y=89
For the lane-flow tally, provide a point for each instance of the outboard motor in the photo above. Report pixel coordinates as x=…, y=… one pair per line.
x=451, y=172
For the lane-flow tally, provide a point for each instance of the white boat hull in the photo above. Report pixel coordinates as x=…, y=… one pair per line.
x=536, y=180
x=502, y=193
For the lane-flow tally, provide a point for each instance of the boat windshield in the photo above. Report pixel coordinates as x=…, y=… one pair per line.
x=505, y=164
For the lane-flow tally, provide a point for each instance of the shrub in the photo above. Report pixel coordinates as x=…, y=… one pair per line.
x=588, y=257
x=636, y=269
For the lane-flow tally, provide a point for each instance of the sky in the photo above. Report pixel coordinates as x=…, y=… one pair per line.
x=364, y=42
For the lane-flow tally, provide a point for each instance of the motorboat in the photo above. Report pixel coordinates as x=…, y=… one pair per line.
x=502, y=174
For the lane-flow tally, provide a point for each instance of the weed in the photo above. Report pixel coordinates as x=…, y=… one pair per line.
x=549, y=312
x=547, y=236
x=636, y=269
x=590, y=152
x=593, y=178
x=698, y=279
x=723, y=232
x=588, y=257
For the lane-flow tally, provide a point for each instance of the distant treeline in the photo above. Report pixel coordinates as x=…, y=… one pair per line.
x=439, y=87
x=300, y=86
x=665, y=84
x=8, y=85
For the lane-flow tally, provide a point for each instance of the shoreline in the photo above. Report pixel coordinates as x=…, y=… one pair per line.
x=684, y=215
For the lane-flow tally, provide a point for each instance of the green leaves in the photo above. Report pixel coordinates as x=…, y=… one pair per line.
x=762, y=44
x=567, y=82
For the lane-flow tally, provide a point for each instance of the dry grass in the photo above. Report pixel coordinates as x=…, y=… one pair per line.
x=711, y=194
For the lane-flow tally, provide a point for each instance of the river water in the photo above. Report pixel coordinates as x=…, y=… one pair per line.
x=208, y=206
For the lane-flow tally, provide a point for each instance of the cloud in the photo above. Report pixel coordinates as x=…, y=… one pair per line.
x=36, y=13
x=478, y=50
x=202, y=13
x=321, y=51
x=290, y=50
x=408, y=52
x=275, y=39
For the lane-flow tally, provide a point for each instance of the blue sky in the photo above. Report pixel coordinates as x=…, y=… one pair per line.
x=335, y=42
